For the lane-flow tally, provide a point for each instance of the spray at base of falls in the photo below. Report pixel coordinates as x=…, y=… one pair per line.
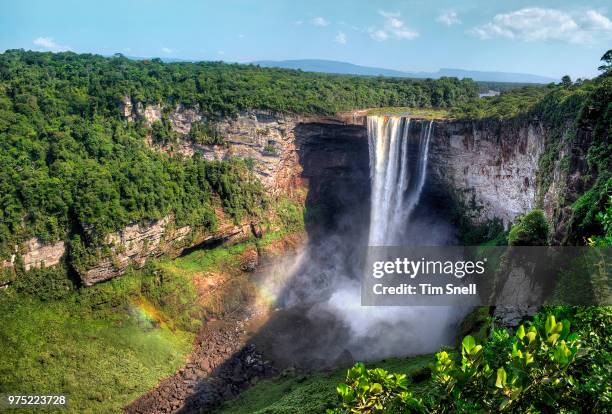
x=327, y=284
x=398, y=169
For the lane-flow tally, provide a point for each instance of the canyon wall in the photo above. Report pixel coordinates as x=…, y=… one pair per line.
x=263, y=137
x=489, y=167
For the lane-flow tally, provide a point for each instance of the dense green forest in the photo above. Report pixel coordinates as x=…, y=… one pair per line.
x=70, y=164
x=92, y=84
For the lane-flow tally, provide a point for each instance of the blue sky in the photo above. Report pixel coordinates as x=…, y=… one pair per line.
x=549, y=38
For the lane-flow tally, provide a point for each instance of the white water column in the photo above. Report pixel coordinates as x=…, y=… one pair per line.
x=398, y=167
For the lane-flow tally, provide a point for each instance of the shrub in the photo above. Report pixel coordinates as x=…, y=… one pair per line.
x=530, y=230
x=204, y=133
x=291, y=215
x=375, y=391
x=605, y=218
x=45, y=283
x=270, y=149
x=534, y=372
x=527, y=372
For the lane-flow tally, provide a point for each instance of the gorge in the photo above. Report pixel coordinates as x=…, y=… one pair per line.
x=489, y=167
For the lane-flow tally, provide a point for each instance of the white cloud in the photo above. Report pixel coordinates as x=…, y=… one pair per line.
x=166, y=50
x=298, y=22
x=596, y=21
x=220, y=52
x=340, y=38
x=378, y=34
x=393, y=27
x=50, y=44
x=448, y=17
x=537, y=24
x=319, y=21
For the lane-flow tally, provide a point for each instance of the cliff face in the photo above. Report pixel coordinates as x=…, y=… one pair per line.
x=490, y=167
x=267, y=139
x=35, y=253
x=134, y=244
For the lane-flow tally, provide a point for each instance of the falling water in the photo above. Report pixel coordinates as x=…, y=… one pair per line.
x=398, y=165
x=326, y=285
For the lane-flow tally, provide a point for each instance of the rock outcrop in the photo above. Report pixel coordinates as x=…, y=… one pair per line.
x=265, y=137
x=35, y=253
x=134, y=244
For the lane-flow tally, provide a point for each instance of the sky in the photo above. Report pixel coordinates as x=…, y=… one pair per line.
x=549, y=38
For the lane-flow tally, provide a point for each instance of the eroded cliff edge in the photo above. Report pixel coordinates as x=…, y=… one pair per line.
x=489, y=167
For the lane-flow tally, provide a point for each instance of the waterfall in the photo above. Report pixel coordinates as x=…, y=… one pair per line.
x=398, y=166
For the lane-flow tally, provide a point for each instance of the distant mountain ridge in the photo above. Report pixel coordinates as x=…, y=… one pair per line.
x=332, y=66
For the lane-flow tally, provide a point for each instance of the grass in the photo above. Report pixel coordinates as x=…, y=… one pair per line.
x=205, y=260
x=421, y=113
x=312, y=394
x=100, y=360
x=106, y=345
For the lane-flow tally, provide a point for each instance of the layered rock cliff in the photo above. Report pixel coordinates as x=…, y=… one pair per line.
x=288, y=152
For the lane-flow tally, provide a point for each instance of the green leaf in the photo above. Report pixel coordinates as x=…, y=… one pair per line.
x=356, y=371
x=572, y=337
x=531, y=336
x=342, y=389
x=552, y=339
x=558, y=328
x=500, y=382
x=376, y=388
x=520, y=332
x=468, y=343
x=566, y=329
x=550, y=324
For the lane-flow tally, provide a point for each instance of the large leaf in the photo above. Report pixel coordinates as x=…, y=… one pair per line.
x=468, y=343
x=500, y=381
x=550, y=324
x=520, y=332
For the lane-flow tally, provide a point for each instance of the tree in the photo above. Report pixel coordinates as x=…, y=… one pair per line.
x=566, y=81
x=607, y=58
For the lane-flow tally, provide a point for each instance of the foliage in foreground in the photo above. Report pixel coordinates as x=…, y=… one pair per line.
x=543, y=367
